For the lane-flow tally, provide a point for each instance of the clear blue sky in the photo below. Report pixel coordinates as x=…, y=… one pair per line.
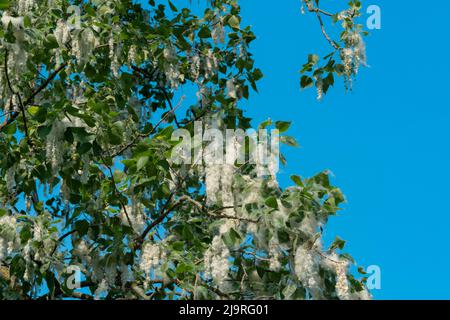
x=387, y=142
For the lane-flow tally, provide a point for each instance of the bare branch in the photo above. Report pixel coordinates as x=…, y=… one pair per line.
x=116, y=191
x=319, y=12
x=165, y=212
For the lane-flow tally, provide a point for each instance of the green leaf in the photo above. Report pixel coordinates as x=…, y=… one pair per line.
x=4, y=4
x=257, y=74
x=338, y=243
x=10, y=129
x=327, y=82
x=39, y=113
x=290, y=141
x=204, y=33
x=50, y=279
x=306, y=82
x=128, y=162
x=172, y=7
x=348, y=257
x=289, y=290
x=187, y=233
x=33, y=110
x=282, y=126
x=142, y=161
x=313, y=59
x=115, y=132
x=297, y=180
x=272, y=202
x=178, y=246
x=265, y=124
x=361, y=270
x=233, y=21
x=84, y=147
x=50, y=42
x=183, y=268
x=232, y=238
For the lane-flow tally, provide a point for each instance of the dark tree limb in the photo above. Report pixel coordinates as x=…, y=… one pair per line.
x=30, y=99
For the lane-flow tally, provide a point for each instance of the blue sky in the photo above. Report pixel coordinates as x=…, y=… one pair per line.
x=386, y=142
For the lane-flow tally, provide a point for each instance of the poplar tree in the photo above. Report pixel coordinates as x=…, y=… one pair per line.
x=92, y=205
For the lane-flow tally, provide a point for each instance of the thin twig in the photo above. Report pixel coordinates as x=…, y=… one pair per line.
x=169, y=101
x=222, y=216
x=117, y=192
x=165, y=212
x=322, y=27
x=319, y=12
x=33, y=95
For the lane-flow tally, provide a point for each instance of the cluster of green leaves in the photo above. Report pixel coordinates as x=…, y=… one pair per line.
x=322, y=72
x=113, y=145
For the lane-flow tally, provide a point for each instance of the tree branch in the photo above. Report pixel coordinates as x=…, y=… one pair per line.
x=213, y=213
x=312, y=8
x=117, y=192
x=322, y=27
x=165, y=212
x=166, y=95
x=14, y=116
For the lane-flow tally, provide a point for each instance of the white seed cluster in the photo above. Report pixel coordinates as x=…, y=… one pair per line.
x=83, y=45
x=195, y=66
x=274, y=254
x=135, y=215
x=17, y=55
x=10, y=179
x=218, y=32
x=25, y=6
x=216, y=261
x=171, y=68
x=85, y=172
x=342, y=288
x=319, y=86
x=54, y=144
x=212, y=182
x=210, y=64
x=231, y=89
x=132, y=55
x=8, y=236
x=62, y=33
x=353, y=56
x=152, y=256
x=307, y=270
x=114, y=52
